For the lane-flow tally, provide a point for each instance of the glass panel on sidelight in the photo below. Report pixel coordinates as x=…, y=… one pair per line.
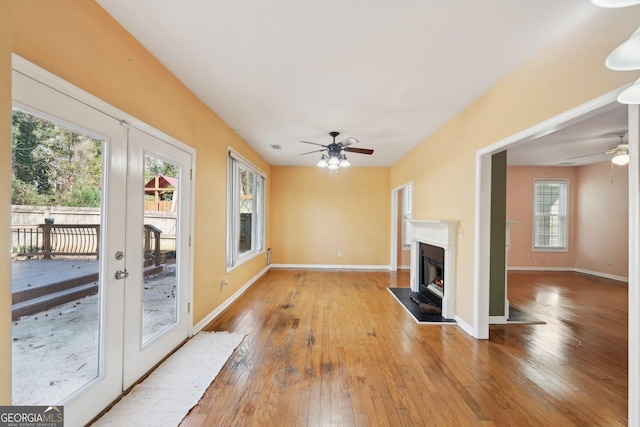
x=247, y=178
x=159, y=287
x=56, y=181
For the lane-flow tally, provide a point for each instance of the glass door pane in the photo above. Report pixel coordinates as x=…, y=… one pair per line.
x=56, y=195
x=159, y=245
x=158, y=253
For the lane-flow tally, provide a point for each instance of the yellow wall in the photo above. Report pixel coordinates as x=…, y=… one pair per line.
x=569, y=72
x=317, y=214
x=5, y=201
x=78, y=41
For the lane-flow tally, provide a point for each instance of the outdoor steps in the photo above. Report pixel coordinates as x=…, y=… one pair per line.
x=47, y=301
x=35, y=300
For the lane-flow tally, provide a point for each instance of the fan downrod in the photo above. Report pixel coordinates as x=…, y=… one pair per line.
x=334, y=134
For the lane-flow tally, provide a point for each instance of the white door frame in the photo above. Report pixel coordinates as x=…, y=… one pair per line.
x=395, y=223
x=41, y=75
x=480, y=327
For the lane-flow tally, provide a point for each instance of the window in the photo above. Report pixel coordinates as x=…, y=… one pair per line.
x=245, y=224
x=407, y=202
x=550, y=215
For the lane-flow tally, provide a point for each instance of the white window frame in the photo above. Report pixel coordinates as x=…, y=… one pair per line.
x=234, y=257
x=407, y=215
x=563, y=215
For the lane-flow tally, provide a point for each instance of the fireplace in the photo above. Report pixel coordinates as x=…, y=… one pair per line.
x=431, y=274
x=433, y=263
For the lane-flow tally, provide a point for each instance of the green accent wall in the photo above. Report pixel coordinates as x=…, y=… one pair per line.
x=498, y=263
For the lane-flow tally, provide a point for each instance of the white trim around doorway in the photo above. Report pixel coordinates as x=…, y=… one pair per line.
x=480, y=327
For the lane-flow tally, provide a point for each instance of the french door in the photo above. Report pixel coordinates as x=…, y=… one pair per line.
x=136, y=311
x=157, y=248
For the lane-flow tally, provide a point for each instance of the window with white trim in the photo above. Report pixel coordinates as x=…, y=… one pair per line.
x=550, y=214
x=407, y=203
x=245, y=222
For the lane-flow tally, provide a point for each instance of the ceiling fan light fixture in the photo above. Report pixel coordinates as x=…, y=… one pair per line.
x=626, y=56
x=333, y=158
x=620, y=159
x=615, y=3
x=630, y=95
x=322, y=163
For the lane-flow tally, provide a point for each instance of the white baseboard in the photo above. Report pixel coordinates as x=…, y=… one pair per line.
x=572, y=269
x=466, y=327
x=497, y=320
x=541, y=268
x=605, y=275
x=332, y=267
x=215, y=313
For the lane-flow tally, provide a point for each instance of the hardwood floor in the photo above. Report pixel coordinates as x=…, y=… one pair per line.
x=335, y=348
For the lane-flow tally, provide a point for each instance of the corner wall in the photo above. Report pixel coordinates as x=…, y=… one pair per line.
x=317, y=215
x=598, y=219
x=602, y=241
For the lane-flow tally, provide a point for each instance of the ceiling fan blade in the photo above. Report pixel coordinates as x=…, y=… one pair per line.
x=348, y=141
x=309, y=152
x=314, y=143
x=586, y=155
x=620, y=148
x=358, y=150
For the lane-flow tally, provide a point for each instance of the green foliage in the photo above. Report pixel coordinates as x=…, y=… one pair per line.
x=82, y=197
x=27, y=194
x=153, y=167
x=53, y=165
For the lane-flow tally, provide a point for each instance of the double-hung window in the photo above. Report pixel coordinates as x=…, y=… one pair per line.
x=407, y=203
x=550, y=228
x=245, y=223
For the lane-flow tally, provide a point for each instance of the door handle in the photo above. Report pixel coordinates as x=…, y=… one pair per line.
x=122, y=274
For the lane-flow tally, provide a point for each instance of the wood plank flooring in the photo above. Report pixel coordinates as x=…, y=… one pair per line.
x=335, y=348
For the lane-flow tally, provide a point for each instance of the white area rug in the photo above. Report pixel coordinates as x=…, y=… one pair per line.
x=176, y=386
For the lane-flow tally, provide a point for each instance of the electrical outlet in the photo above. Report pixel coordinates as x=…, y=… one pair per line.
x=224, y=282
x=339, y=254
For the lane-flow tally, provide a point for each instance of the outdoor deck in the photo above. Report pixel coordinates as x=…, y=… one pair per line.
x=55, y=264
x=39, y=284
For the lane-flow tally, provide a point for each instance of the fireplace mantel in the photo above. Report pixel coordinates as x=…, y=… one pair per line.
x=441, y=233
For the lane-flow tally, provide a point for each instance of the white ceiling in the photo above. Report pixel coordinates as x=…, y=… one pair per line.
x=581, y=142
x=387, y=73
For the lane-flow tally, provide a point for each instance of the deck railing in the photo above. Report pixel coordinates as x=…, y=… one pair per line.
x=151, y=252
x=47, y=240
x=55, y=239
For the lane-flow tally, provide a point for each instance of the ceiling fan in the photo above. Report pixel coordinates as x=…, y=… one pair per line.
x=334, y=156
x=620, y=152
